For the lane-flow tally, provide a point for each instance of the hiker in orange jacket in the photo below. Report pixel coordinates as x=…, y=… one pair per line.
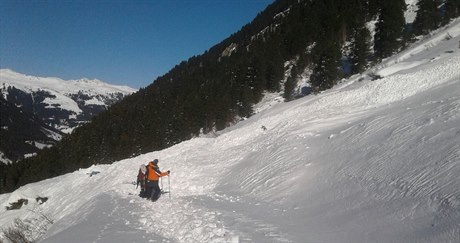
x=153, y=174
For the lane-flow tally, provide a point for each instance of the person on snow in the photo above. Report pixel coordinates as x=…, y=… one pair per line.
x=152, y=176
x=141, y=180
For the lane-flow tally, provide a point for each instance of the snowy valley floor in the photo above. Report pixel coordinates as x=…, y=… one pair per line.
x=368, y=161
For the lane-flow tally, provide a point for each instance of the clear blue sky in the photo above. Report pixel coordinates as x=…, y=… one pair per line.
x=123, y=42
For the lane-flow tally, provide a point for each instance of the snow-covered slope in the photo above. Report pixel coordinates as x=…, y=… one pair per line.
x=61, y=103
x=367, y=161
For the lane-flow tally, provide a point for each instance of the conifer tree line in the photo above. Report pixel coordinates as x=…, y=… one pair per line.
x=214, y=90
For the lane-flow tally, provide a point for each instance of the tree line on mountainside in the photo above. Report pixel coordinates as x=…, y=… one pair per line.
x=214, y=90
x=16, y=125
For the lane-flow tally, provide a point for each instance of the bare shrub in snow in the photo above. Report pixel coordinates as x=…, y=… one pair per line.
x=18, y=232
x=28, y=230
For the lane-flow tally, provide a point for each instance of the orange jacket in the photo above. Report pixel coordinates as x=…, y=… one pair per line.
x=154, y=173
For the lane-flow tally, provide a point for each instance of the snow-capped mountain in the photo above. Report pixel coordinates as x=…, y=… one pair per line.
x=370, y=160
x=37, y=111
x=63, y=104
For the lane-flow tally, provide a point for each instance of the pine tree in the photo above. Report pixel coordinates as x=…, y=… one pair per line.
x=451, y=10
x=360, y=50
x=389, y=28
x=427, y=18
x=371, y=8
x=360, y=39
x=327, y=56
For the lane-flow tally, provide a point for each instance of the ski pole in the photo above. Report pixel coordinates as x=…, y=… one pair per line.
x=169, y=184
x=161, y=183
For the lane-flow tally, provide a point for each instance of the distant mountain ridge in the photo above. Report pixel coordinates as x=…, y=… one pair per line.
x=62, y=104
x=37, y=112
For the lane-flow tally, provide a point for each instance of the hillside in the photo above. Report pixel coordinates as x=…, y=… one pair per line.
x=37, y=111
x=369, y=160
x=23, y=134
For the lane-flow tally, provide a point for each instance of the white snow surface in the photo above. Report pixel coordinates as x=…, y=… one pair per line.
x=369, y=161
x=61, y=88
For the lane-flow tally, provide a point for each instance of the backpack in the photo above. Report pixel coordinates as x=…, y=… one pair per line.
x=141, y=176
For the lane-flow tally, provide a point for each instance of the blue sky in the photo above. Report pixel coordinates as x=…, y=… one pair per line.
x=123, y=42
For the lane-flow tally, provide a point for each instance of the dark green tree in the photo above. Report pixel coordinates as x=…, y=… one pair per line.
x=360, y=49
x=389, y=28
x=371, y=8
x=451, y=10
x=427, y=18
x=327, y=57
